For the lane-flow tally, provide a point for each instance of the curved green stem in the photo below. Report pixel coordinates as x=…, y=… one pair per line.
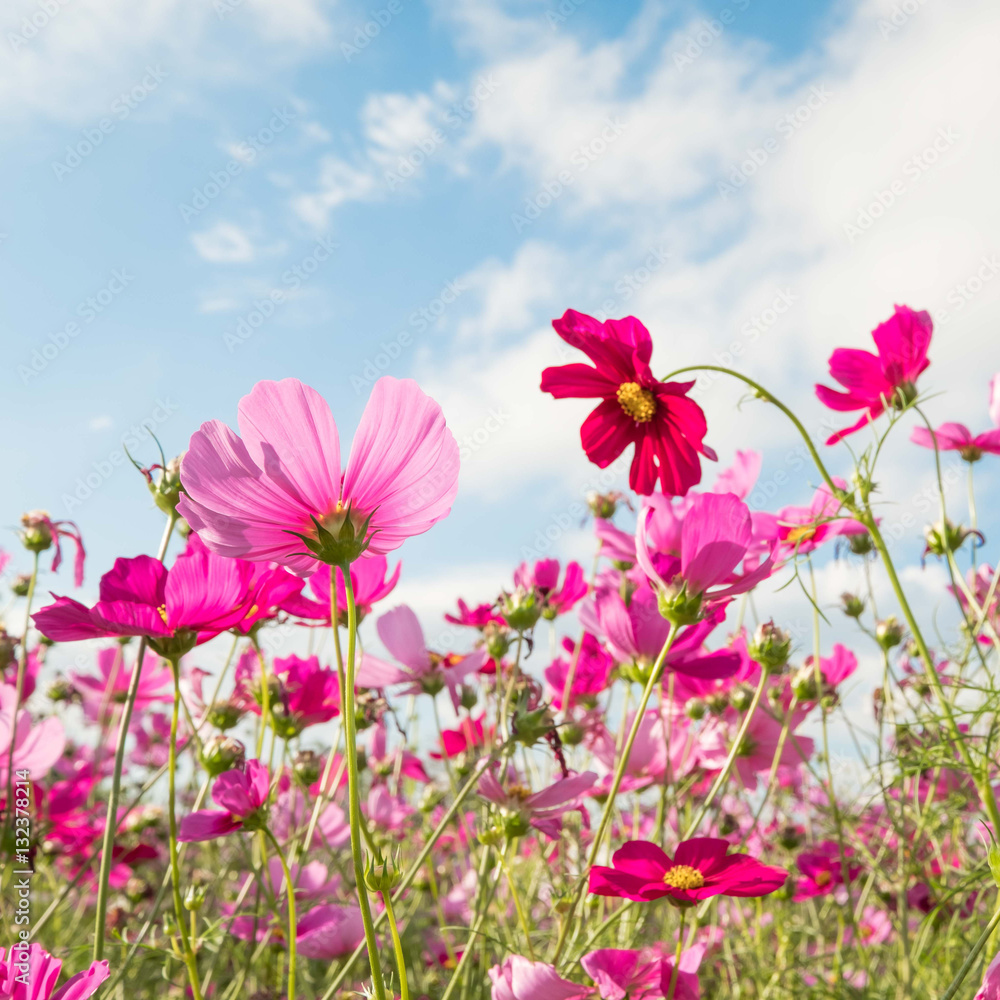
x=111, y=820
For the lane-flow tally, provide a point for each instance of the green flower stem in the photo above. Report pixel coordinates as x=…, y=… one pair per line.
x=521, y=916
x=674, y=972
x=655, y=674
x=292, y=920
x=953, y=989
x=111, y=820
x=351, y=741
x=397, y=944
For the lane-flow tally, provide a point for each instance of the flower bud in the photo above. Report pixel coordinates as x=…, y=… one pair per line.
x=678, y=606
x=222, y=753
x=382, y=874
x=531, y=726
x=8, y=645
x=224, y=715
x=852, y=605
x=496, y=639
x=36, y=531
x=740, y=697
x=571, y=734
x=718, y=702
x=604, y=505
x=469, y=697
x=521, y=609
x=696, y=708
x=804, y=684
x=430, y=798
x=943, y=537
x=21, y=585
x=770, y=647
x=194, y=898
x=888, y=632
x=61, y=690
x=306, y=766
x=136, y=888
x=860, y=544
x=166, y=489
x=492, y=836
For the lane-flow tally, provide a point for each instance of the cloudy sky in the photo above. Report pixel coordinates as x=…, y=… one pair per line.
x=197, y=194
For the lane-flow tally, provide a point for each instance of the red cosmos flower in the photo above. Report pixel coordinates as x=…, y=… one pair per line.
x=665, y=426
x=875, y=382
x=701, y=868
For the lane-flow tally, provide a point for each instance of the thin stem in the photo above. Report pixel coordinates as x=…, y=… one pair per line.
x=292, y=920
x=677, y=956
x=519, y=909
x=354, y=814
x=397, y=944
x=972, y=956
x=111, y=820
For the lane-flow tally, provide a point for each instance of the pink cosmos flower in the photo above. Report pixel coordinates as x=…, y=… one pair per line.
x=36, y=745
x=200, y=596
x=593, y=670
x=701, y=868
x=424, y=671
x=329, y=931
x=478, y=617
x=542, y=810
x=103, y=694
x=804, y=529
x=958, y=437
x=277, y=492
x=521, y=979
x=368, y=580
x=383, y=763
x=665, y=425
x=716, y=536
x=305, y=694
x=874, y=382
x=469, y=734
x=741, y=477
x=242, y=793
x=663, y=744
x=990, y=990
x=38, y=527
x=31, y=973
x=822, y=870
x=836, y=668
x=636, y=633
x=621, y=974
x=543, y=577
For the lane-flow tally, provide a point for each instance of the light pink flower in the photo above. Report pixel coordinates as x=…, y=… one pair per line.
x=542, y=810
x=242, y=793
x=103, y=694
x=329, y=931
x=521, y=979
x=251, y=496
x=621, y=974
x=804, y=529
x=37, y=745
x=31, y=973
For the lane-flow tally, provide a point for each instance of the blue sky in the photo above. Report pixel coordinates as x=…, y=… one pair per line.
x=473, y=170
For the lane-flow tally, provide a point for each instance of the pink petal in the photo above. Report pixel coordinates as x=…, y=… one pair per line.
x=400, y=632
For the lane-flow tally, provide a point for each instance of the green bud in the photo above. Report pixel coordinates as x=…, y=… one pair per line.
x=306, y=766
x=804, y=684
x=383, y=874
x=497, y=640
x=853, y=605
x=222, y=753
x=770, y=647
x=740, y=697
x=194, y=898
x=36, y=534
x=571, y=734
x=678, y=606
x=521, y=609
x=224, y=715
x=338, y=540
x=469, y=697
x=21, y=585
x=696, y=708
x=889, y=632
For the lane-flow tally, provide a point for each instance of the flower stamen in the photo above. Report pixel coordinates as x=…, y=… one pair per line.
x=638, y=403
x=683, y=877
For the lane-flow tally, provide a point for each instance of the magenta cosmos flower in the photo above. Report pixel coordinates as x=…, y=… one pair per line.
x=302, y=693
x=200, y=596
x=701, y=868
x=242, y=793
x=543, y=577
x=31, y=973
x=276, y=491
x=990, y=989
x=593, y=670
x=103, y=695
x=801, y=530
x=542, y=810
x=664, y=424
x=370, y=581
x=716, y=536
x=875, y=382
x=623, y=974
x=958, y=437
x=521, y=979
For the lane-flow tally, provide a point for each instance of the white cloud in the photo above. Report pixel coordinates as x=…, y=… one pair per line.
x=101, y=423
x=224, y=243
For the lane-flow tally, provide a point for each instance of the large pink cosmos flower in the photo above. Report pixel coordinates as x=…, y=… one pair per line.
x=242, y=793
x=36, y=745
x=874, y=382
x=424, y=671
x=200, y=596
x=31, y=973
x=701, y=868
x=716, y=535
x=958, y=437
x=521, y=979
x=665, y=425
x=621, y=974
x=102, y=695
x=369, y=581
x=542, y=810
x=277, y=492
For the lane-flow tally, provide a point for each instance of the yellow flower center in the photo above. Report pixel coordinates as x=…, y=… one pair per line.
x=638, y=403
x=518, y=792
x=683, y=877
x=801, y=533
x=823, y=879
x=162, y=610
